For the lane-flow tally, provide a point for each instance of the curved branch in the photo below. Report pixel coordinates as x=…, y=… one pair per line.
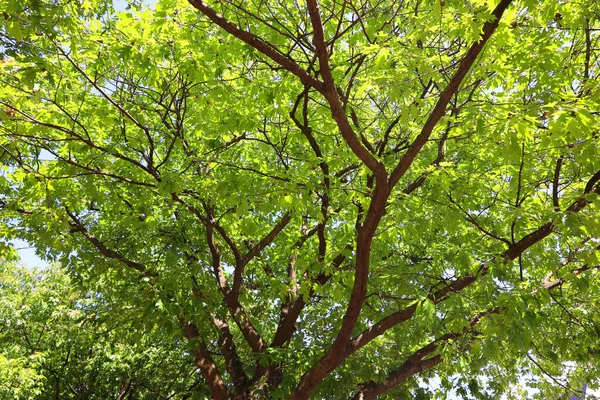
x=416, y=362
x=259, y=44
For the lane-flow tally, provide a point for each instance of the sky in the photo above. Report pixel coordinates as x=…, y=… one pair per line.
x=27, y=254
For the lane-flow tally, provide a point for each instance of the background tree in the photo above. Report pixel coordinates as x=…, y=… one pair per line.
x=59, y=342
x=325, y=199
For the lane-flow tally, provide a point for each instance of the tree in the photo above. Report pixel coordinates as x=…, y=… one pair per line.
x=59, y=342
x=327, y=199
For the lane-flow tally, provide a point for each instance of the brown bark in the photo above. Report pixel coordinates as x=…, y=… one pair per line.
x=204, y=361
x=416, y=362
x=232, y=361
x=335, y=355
x=259, y=44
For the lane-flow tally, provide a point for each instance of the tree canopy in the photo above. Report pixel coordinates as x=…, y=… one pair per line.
x=312, y=199
x=60, y=342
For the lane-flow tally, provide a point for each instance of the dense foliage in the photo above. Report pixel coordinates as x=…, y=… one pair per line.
x=342, y=199
x=60, y=342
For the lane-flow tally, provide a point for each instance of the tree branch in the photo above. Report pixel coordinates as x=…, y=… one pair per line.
x=514, y=251
x=259, y=44
x=216, y=260
x=335, y=354
x=232, y=362
x=77, y=226
x=472, y=220
x=416, y=362
x=268, y=239
x=291, y=311
x=204, y=361
x=331, y=94
x=556, y=183
x=440, y=108
x=102, y=92
x=252, y=336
